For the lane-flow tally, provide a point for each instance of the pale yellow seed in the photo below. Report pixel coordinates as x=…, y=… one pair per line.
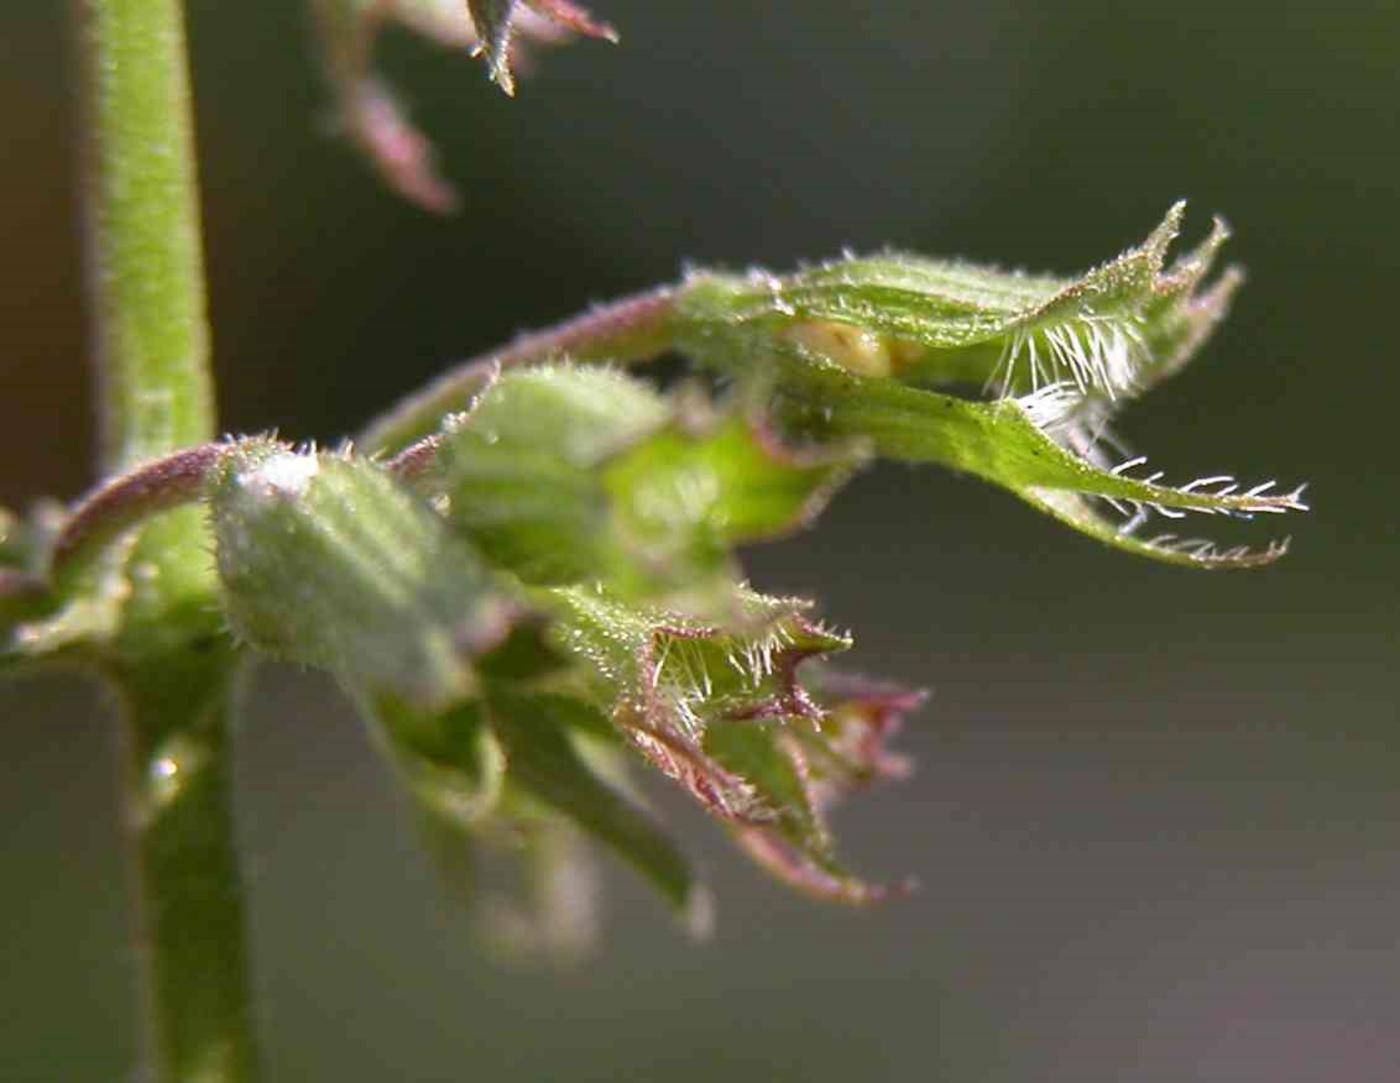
x=853, y=348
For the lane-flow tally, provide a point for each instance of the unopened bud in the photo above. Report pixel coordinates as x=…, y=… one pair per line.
x=326, y=560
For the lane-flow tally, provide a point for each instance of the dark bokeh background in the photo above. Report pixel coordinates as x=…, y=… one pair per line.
x=1156, y=816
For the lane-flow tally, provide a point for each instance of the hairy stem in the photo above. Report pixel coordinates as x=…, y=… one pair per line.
x=124, y=501
x=169, y=659
x=179, y=819
x=633, y=329
x=144, y=251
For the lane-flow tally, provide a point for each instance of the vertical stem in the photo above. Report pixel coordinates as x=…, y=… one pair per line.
x=179, y=819
x=144, y=252
x=169, y=660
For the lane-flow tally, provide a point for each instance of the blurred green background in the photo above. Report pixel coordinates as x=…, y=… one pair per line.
x=1157, y=813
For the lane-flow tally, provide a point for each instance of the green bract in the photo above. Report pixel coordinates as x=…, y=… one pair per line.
x=1112, y=331
x=854, y=348
x=567, y=475
x=718, y=706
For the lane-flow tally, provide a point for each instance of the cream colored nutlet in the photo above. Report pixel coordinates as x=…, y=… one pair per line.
x=853, y=348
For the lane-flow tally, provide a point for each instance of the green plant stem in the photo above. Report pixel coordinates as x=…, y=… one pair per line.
x=124, y=501
x=636, y=328
x=169, y=658
x=144, y=250
x=178, y=783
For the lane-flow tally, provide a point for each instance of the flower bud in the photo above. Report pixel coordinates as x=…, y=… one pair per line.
x=326, y=560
